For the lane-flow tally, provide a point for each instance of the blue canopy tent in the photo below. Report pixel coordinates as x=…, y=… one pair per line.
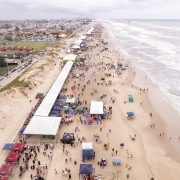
x=85, y=169
x=130, y=114
x=56, y=108
x=53, y=115
x=62, y=97
x=8, y=146
x=87, y=153
x=119, y=64
x=23, y=129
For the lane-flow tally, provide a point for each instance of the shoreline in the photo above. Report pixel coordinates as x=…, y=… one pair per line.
x=162, y=111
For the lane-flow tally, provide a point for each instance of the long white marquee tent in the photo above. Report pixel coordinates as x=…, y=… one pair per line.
x=96, y=107
x=49, y=100
x=43, y=126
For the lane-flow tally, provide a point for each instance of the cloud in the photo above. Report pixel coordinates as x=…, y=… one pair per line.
x=35, y=9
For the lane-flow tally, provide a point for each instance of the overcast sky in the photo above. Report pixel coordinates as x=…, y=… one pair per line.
x=98, y=9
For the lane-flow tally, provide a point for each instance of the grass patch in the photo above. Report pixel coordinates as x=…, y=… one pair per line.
x=15, y=83
x=36, y=45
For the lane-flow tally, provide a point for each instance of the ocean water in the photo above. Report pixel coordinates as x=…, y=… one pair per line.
x=155, y=46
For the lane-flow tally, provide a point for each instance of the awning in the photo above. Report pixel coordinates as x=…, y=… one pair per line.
x=49, y=100
x=70, y=57
x=18, y=147
x=96, y=107
x=43, y=125
x=6, y=169
x=22, y=129
x=12, y=157
x=85, y=169
x=87, y=145
x=8, y=146
x=87, y=153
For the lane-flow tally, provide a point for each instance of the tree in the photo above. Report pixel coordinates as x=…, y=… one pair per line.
x=2, y=62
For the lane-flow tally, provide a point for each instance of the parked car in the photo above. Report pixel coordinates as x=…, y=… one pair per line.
x=1, y=78
x=6, y=74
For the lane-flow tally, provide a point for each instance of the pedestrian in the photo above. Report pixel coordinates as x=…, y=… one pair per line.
x=101, y=129
x=160, y=135
x=109, y=130
x=131, y=156
x=169, y=139
x=116, y=152
x=127, y=165
x=127, y=176
x=69, y=176
x=70, y=159
x=55, y=171
x=112, y=153
x=75, y=162
x=66, y=160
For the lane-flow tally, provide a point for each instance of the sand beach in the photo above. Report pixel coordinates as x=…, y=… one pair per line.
x=149, y=155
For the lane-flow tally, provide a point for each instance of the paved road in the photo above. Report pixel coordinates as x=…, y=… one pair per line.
x=15, y=74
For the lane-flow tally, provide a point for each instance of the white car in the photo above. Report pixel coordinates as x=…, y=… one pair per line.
x=1, y=78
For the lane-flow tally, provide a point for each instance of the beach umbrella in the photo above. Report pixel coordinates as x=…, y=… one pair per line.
x=117, y=160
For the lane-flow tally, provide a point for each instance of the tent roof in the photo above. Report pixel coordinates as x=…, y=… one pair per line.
x=68, y=136
x=6, y=169
x=88, y=153
x=70, y=57
x=70, y=100
x=18, y=147
x=12, y=157
x=43, y=125
x=87, y=145
x=4, y=178
x=8, y=146
x=22, y=129
x=78, y=42
x=85, y=169
x=82, y=37
x=49, y=100
x=75, y=47
x=130, y=113
x=96, y=107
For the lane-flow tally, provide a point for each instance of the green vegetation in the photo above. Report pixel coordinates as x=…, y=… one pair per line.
x=4, y=70
x=15, y=83
x=35, y=45
x=2, y=62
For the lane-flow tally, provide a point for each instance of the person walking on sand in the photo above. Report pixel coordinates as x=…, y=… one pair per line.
x=116, y=152
x=112, y=153
x=101, y=129
x=127, y=176
x=169, y=139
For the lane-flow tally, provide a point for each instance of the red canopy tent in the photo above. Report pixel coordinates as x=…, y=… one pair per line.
x=4, y=178
x=12, y=157
x=18, y=147
x=6, y=169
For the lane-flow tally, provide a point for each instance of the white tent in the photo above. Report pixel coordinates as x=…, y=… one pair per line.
x=83, y=37
x=96, y=107
x=70, y=100
x=78, y=42
x=75, y=47
x=49, y=100
x=87, y=145
x=43, y=125
x=70, y=57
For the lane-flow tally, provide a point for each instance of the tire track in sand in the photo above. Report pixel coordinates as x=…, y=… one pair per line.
x=140, y=141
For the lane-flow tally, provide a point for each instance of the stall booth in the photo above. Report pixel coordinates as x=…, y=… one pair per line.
x=6, y=169
x=85, y=171
x=130, y=115
x=68, y=138
x=96, y=107
x=87, y=151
